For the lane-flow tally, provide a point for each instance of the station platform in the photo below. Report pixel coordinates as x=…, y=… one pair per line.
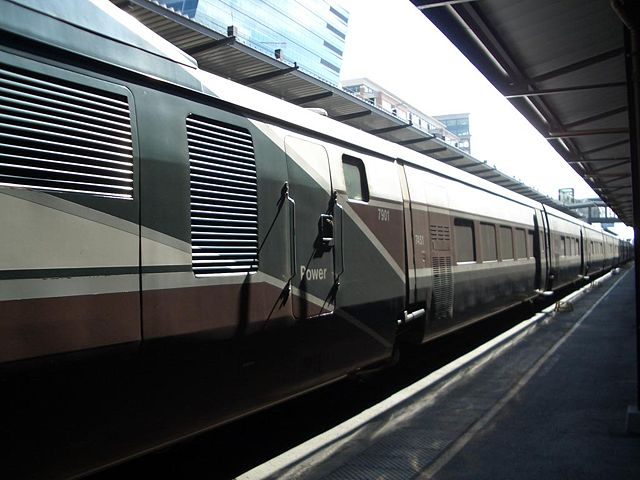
x=548, y=399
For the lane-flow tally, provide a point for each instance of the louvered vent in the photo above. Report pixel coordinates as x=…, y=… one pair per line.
x=442, y=288
x=63, y=137
x=440, y=233
x=224, y=198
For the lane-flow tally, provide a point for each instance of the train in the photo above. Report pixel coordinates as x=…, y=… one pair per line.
x=178, y=250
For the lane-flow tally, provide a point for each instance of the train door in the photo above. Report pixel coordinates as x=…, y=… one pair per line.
x=310, y=192
x=416, y=223
x=538, y=250
x=410, y=263
x=583, y=270
x=547, y=251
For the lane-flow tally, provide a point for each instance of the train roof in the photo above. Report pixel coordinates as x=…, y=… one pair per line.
x=99, y=30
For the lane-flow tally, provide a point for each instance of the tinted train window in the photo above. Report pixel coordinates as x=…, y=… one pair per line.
x=355, y=178
x=465, y=240
x=520, y=243
x=224, y=198
x=530, y=243
x=563, y=246
x=506, y=243
x=488, y=239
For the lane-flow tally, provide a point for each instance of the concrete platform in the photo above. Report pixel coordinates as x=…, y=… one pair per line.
x=547, y=399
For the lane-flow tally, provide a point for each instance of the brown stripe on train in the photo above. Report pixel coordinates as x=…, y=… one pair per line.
x=44, y=326
x=223, y=310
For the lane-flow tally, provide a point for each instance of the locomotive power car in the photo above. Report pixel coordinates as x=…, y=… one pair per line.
x=178, y=250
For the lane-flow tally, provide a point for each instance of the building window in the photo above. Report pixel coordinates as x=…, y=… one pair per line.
x=520, y=242
x=329, y=65
x=339, y=15
x=333, y=48
x=488, y=239
x=336, y=31
x=506, y=243
x=355, y=178
x=465, y=240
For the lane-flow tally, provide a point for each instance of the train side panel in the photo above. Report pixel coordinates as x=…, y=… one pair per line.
x=371, y=268
x=567, y=262
x=69, y=263
x=212, y=198
x=594, y=250
x=262, y=245
x=473, y=259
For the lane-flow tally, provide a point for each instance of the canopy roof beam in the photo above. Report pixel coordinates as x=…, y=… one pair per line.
x=351, y=116
x=411, y=141
x=584, y=133
x=606, y=147
x=597, y=160
x=573, y=67
x=393, y=128
x=554, y=91
x=210, y=45
x=263, y=77
x=431, y=151
x=311, y=98
x=424, y=4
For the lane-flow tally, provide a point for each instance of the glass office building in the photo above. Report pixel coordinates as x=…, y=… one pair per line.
x=309, y=32
x=458, y=124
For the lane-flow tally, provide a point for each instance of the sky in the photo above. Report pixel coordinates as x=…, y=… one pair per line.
x=393, y=44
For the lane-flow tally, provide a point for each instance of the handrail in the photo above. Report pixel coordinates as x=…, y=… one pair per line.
x=292, y=230
x=341, y=240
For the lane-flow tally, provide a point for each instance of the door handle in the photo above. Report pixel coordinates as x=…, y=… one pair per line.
x=326, y=231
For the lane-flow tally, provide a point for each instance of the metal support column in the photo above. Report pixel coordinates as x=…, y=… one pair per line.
x=629, y=13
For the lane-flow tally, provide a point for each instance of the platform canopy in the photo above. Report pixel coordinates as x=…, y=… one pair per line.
x=561, y=63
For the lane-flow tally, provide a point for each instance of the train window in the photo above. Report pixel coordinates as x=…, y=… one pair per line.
x=530, y=243
x=224, y=198
x=355, y=178
x=520, y=242
x=577, y=246
x=563, y=246
x=465, y=240
x=66, y=137
x=506, y=243
x=488, y=240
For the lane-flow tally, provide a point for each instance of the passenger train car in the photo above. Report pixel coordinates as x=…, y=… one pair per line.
x=178, y=250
